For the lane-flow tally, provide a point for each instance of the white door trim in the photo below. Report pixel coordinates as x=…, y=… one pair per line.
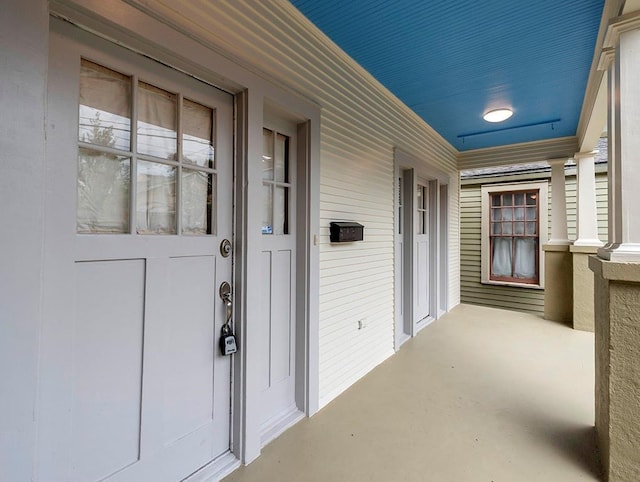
x=416, y=168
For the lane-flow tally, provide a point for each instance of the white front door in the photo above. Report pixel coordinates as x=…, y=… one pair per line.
x=422, y=252
x=277, y=326
x=135, y=387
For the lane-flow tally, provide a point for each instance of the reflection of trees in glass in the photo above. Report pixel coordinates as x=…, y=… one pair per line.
x=103, y=184
x=102, y=136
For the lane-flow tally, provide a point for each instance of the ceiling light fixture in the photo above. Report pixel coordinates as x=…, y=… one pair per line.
x=497, y=115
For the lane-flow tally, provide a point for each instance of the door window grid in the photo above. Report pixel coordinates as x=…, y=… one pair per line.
x=276, y=184
x=421, y=208
x=172, y=152
x=514, y=236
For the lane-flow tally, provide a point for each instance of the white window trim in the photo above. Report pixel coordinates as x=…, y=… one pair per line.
x=543, y=209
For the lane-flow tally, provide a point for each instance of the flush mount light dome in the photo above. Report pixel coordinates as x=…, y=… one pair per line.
x=497, y=115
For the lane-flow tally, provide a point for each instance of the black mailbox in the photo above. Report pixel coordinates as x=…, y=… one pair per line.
x=346, y=231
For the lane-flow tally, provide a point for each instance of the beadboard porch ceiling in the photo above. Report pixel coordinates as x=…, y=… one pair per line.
x=452, y=61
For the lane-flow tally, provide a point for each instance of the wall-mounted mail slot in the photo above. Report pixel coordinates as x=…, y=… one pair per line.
x=346, y=231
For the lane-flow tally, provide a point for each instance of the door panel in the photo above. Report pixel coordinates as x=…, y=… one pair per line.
x=107, y=367
x=422, y=279
x=282, y=329
x=188, y=373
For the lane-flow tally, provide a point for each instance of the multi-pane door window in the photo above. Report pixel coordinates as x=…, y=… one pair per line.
x=132, y=130
x=422, y=209
x=276, y=184
x=514, y=236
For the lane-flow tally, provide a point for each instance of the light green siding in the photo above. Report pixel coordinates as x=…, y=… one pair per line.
x=513, y=298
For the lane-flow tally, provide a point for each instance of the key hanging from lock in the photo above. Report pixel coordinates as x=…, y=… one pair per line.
x=227, y=338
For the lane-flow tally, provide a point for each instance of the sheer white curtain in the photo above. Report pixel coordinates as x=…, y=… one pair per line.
x=103, y=178
x=525, y=259
x=156, y=196
x=501, y=258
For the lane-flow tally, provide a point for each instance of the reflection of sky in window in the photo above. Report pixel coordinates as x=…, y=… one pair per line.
x=197, y=150
x=104, y=128
x=157, y=141
x=155, y=169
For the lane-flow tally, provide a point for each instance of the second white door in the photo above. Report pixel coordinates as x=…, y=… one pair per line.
x=278, y=322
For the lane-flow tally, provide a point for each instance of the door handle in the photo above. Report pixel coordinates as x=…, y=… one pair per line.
x=227, y=338
x=225, y=296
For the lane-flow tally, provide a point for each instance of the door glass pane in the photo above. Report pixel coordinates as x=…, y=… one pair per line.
x=267, y=154
x=197, y=134
x=267, y=209
x=105, y=107
x=197, y=201
x=421, y=226
x=157, y=134
x=156, y=198
x=282, y=158
x=103, y=192
x=281, y=208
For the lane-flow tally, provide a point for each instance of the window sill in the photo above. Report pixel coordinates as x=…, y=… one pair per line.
x=513, y=285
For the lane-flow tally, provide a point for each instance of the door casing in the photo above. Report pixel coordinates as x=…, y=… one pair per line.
x=408, y=172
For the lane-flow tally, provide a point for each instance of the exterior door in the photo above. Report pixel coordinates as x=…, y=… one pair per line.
x=142, y=198
x=278, y=324
x=422, y=252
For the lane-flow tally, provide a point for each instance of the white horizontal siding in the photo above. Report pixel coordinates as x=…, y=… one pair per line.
x=520, y=299
x=361, y=124
x=454, y=243
x=523, y=153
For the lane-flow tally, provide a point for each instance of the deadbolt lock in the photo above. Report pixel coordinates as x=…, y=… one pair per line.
x=225, y=248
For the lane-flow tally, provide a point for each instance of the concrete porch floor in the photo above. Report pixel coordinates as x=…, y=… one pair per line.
x=480, y=395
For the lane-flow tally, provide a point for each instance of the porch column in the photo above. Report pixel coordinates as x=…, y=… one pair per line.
x=617, y=266
x=558, y=294
x=587, y=242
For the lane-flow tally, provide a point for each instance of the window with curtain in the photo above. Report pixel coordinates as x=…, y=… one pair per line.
x=145, y=170
x=514, y=236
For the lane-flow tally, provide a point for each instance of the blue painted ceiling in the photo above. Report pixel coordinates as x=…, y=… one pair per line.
x=451, y=61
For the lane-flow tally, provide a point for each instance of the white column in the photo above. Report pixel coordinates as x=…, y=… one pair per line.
x=586, y=213
x=622, y=59
x=558, y=203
